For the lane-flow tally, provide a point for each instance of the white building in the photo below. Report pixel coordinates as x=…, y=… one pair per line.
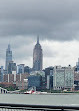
x=63, y=77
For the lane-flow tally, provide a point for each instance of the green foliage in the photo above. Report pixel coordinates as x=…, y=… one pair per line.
x=24, y=90
x=10, y=88
x=56, y=91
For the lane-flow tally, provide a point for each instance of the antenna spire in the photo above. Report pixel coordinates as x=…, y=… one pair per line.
x=9, y=47
x=37, y=39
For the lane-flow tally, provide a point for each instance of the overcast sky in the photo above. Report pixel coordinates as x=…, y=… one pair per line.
x=55, y=21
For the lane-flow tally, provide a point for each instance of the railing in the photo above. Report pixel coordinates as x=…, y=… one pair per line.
x=25, y=107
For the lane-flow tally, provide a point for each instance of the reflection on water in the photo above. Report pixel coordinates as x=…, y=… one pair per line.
x=69, y=99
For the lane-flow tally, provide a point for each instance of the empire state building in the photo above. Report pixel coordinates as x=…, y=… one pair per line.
x=37, y=57
x=8, y=57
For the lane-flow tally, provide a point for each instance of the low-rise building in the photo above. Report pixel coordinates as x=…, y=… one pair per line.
x=18, y=79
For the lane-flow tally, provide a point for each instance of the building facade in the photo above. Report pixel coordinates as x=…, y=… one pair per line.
x=49, y=77
x=27, y=69
x=37, y=57
x=20, y=69
x=69, y=77
x=76, y=80
x=11, y=67
x=63, y=77
x=18, y=79
x=37, y=79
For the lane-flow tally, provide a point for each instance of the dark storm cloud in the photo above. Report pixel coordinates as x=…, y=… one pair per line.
x=51, y=19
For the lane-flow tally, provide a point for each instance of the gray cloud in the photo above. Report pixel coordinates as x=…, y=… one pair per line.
x=22, y=20
x=51, y=19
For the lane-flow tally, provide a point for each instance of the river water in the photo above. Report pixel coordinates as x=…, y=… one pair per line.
x=54, y=99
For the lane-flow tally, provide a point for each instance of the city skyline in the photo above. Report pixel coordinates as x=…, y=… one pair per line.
x=56, y=23
x=32, y=58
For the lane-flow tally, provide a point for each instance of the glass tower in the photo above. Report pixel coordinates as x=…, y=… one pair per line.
x=37, y=57
x=8, y=57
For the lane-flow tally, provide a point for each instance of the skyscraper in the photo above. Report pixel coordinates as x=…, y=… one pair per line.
x=8, y=57
x=37, y=57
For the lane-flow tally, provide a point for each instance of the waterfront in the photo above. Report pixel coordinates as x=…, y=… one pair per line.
x=56, y=99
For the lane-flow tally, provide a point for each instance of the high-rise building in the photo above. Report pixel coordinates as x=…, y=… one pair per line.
x=20, y=69
x=27, y=69
x=37, y=57
x=8, y=57
x=11, y=67
x=49, y=77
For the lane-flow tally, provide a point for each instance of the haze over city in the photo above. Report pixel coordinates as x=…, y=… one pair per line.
x=56, y=23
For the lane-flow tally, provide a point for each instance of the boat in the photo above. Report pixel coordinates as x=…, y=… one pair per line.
x=32, y=90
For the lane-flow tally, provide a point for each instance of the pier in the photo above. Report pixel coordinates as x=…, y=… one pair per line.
x=3, y=91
